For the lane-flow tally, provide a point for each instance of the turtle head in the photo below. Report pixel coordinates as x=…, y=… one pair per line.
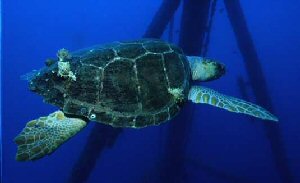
x=47, y=83
x=204, y=69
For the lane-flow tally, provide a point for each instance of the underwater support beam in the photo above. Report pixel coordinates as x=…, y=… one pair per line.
x=101, y=138
x=192, y=30
x=198, y=164
x=162, y=18
x=258, y=83
x=195, y=15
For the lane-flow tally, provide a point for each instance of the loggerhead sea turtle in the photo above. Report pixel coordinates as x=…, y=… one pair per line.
x=124, y=84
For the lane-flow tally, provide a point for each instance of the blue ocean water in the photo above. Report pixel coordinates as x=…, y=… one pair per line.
x=214, y=146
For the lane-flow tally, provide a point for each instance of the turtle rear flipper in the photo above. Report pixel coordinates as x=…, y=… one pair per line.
x=44, y=135
x=204, y=95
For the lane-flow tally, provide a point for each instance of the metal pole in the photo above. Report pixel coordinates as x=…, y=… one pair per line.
x=259, y=84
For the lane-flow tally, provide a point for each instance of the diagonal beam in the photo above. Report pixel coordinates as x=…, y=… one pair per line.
x=196, y=163
x=259, y=84
x=102, y=137
x=162, y=18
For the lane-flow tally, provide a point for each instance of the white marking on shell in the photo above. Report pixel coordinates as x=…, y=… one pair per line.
x=165, y=71
x=138, y=86
x=112, y=61
x=101, y=82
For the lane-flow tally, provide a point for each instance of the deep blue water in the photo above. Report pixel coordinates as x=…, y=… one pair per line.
x=219, y=146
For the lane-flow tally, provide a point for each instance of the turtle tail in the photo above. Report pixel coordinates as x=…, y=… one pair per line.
x=199, y=94
x=43, y=136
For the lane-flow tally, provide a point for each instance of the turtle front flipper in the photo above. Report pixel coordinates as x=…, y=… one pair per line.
x=44, y=135
x=204, y=95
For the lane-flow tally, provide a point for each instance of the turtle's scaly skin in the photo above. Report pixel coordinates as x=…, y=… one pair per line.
x=199, y=94
x=45, y=134
x=124, y=84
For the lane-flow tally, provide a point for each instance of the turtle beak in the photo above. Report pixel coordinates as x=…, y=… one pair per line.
x=220, y=70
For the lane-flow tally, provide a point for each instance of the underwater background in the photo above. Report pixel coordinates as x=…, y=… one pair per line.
x=258, y=41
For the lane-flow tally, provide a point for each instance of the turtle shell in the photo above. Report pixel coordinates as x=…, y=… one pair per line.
x=128, y=84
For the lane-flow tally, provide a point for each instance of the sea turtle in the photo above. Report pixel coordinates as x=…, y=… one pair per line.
x=123, y=84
